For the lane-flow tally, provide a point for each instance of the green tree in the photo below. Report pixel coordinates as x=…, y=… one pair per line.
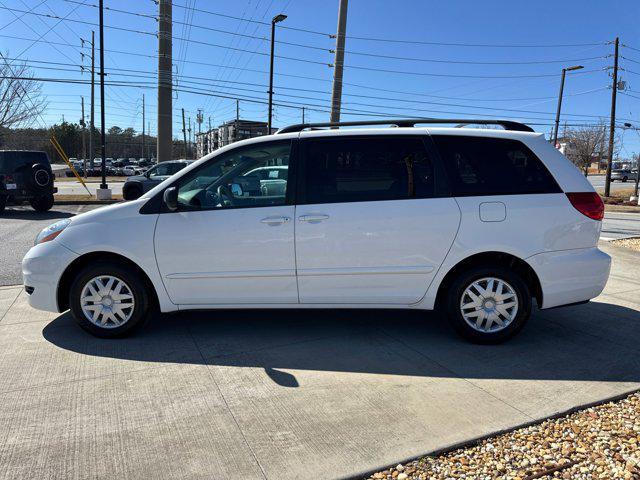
x=69, y=137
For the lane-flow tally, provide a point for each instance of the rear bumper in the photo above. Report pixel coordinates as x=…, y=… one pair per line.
x=571, y=276
x=42, y=268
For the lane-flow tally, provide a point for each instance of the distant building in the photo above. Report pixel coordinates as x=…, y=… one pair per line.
x=206, y=142
x=227, y=133
x=235, y=130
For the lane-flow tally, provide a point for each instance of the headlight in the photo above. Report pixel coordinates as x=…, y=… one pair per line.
x=52, y=231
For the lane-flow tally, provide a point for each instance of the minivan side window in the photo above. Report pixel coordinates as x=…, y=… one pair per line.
x=346, y=169
x=233, y=179
x=492, y=166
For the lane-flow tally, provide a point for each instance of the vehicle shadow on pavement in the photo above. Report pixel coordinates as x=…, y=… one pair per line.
x=592, y=342
x=29, y=214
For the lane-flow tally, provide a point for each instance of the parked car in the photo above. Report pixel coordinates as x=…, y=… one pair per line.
x=623, y=175
x=138, y=184
x=26, y=176
x=477, y=223
x=131, y=170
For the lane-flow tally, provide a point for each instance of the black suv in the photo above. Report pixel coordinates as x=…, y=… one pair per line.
x=26, y=176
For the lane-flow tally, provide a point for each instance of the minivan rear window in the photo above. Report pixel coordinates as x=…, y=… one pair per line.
x=492, y=166
x=10, y=161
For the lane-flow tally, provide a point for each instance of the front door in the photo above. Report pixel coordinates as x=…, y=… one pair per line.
x=232, y=239
x=374, y=223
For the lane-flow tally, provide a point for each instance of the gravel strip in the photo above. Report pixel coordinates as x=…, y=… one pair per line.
x=601, y=442
x=632, y=243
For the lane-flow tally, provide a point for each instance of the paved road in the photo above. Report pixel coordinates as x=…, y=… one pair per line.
x=293, y=394
x=598, y=182
x=18, y=227
x=620, y=225
x=76, y=188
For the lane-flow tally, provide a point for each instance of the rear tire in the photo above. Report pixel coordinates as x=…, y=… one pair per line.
x=493, y=312
x=108, y=323
x=3, y=203
x=43, y=203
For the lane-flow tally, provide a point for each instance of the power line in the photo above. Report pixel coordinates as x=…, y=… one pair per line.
x=289, y=104
x=151, y=75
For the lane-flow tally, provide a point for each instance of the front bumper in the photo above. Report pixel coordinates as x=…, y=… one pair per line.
x=42, y=268
x=571, y=276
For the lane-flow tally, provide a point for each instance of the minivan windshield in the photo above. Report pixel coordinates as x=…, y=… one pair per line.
x=10, y=161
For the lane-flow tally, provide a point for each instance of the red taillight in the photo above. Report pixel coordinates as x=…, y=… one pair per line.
x=587, y=203
x=8, y=178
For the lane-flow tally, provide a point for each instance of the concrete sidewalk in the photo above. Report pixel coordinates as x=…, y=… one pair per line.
x=284, y=394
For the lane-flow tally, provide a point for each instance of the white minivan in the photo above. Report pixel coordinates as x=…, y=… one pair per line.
x=476, y=222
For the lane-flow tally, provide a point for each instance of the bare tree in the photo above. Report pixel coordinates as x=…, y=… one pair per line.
x=585, y=146
x=21, y=99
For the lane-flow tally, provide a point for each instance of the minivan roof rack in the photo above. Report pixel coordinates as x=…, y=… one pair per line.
x=410, y=122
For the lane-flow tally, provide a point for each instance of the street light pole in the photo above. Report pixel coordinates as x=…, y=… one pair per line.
x=564, y=71
x=276, y=19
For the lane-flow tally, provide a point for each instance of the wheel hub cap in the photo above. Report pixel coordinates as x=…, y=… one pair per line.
x=107, y=301
x=489, y=305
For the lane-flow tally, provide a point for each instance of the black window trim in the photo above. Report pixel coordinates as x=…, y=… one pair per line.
x=441, y=185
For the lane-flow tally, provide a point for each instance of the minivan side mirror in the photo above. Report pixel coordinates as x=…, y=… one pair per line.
x=170, y=197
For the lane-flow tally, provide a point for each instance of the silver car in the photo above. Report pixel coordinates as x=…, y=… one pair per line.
x=623, y=175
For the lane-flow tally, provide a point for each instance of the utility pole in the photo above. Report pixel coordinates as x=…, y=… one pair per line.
x=612, y=127
x=190, y=143
x=84, y=138
x=237, y=124
x=149, y=155
x=184, y=138
x=338, y=65
x=165, y=112
x=302, y=114
x=91, y=127
x=104, y=193
x=199, y=120
x=143, y=156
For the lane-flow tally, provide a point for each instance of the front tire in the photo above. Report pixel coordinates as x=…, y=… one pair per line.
x=109, y=300
x=488, y=305
x=3, y=203
x=624, y=179
x=43, y=203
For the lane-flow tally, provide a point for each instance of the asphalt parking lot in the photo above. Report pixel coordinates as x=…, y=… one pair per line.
x=289, y=394
x=19, y=227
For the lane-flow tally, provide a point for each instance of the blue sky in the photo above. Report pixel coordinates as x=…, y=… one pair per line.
x=501, y=41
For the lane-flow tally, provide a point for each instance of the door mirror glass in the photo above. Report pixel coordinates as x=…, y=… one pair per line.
x=170, y=198
x=236, y=189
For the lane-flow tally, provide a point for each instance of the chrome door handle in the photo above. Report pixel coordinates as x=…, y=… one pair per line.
x=277, y=220
x=313, y=217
